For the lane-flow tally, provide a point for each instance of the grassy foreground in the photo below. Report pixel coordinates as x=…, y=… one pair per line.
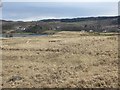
x=66, y=59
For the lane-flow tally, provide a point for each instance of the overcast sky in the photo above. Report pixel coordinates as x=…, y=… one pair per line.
x=60, y=0
x=27, y=11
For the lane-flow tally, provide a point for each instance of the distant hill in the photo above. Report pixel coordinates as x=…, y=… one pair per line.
x=79, y=19
x=97, y=24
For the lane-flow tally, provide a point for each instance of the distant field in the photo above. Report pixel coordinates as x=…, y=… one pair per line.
x=66, y=59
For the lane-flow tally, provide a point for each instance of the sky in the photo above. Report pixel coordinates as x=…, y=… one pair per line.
x=60, y=0
x=38, y=10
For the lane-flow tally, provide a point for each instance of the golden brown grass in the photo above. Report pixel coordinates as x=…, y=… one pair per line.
x=66, y=59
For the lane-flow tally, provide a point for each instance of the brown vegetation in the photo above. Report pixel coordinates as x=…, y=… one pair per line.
x=66, y=59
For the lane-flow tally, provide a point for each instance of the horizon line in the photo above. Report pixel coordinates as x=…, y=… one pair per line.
x=58, y=18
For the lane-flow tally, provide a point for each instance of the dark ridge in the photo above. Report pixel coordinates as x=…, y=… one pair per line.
x=79, y=19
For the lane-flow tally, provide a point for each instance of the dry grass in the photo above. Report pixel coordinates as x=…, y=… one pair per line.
x=67, y=59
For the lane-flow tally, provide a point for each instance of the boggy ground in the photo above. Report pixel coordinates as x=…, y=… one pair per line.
x=66, y=59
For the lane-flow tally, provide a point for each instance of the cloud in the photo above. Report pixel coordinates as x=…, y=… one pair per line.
x=34, y=18
x=45, y=10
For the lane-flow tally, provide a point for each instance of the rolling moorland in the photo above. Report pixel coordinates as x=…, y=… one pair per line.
x=72, y=54
x=51, y=26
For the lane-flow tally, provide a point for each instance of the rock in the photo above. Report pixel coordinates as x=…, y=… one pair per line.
x=15, y=78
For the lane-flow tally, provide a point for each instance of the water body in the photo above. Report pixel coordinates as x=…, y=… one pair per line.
x=23, y=35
